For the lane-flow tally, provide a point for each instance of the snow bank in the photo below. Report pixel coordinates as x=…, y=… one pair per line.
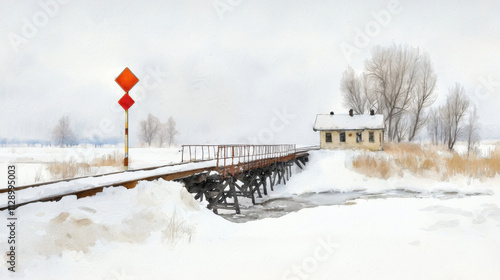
x=158, y=212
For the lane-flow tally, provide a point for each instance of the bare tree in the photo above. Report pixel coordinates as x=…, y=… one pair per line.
x=148, y=129
x=402, y=128
x=171, y=131
x=162, y=134
x=393, y=74
x=453, y=114
x=424, y=95
x=472, y=131
x=373, y=100
x=399, y=82
x=352, y=89
x=63, y=135
x=434, y=126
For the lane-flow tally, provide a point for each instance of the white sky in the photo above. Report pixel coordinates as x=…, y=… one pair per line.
x=258, y=73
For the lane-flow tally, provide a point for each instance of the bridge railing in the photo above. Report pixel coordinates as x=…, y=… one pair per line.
x=194, y=153
x=234, y=159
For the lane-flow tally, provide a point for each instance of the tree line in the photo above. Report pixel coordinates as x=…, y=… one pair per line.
x=400, y=82
x=151, y=132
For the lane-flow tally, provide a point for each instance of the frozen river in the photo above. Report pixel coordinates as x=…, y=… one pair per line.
x=278, y=207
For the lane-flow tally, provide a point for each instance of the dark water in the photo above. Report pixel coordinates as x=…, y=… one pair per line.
x=278, y=207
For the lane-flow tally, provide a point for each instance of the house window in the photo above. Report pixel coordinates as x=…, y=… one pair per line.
x=328, y=137
x=358, y=137
x=342, y=137
x=371, y=137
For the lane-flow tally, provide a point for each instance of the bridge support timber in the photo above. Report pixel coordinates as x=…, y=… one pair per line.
x=248, y=179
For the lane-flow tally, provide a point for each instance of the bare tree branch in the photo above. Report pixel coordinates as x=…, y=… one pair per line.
x=167, y=132
x=171, y=131
x=353, y=91
x=393, y=73
x=453, y=113
x=472, y=130
x=148, y=129
x=424, y=95
x=435, y=127
x=63, y=135
x=162, y=134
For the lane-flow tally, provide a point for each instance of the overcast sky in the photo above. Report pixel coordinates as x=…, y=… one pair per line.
x=228, y=71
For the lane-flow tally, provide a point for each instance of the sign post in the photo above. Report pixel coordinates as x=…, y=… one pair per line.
x=125, y=159
x=126, y=80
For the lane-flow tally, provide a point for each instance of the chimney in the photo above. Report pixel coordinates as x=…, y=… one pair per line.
x=372, y=112
x=331, y=113
x=351, y=112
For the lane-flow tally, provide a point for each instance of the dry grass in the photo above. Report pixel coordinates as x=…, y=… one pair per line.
x=413, y=157
x=403, y=148
x=68, y=169
x=372, y=166
x=114, y=159
x=474, y=166
x=71, y=168
x=424, y=160
x=176, y=230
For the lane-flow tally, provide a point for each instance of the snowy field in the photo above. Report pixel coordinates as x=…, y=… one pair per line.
x=158, y=231
x=33, y=162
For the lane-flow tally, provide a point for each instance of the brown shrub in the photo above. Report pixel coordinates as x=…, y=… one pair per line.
x=114, y=159
x=372, y=166
x=68, y=169
x=473, y=166
x=429, y=164
x=420, y=159
x=403, y=148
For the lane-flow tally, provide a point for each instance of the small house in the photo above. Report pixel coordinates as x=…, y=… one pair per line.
x=350, y=131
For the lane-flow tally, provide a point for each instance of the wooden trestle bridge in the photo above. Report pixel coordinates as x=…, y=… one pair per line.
x=217, y=173
x=241, y=171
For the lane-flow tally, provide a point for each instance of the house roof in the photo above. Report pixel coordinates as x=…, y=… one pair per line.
x=346, y=122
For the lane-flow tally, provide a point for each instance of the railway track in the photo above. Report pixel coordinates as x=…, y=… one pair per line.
x=93, y=189
x=92, y=176
x=151, y=173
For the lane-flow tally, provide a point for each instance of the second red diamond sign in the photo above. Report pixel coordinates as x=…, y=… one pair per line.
x=126, y=101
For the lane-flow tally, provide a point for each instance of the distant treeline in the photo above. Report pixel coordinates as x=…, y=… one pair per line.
x=39, y=142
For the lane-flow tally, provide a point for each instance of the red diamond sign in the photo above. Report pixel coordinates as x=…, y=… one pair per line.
x=126, y=80
x=126, y=101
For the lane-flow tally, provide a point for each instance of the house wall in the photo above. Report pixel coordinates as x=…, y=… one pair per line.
x=350, y=141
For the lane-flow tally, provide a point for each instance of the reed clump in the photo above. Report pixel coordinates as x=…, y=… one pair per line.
x=423, y=160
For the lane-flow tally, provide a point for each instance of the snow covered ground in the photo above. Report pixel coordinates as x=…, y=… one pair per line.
x=158, y=231
x=32, y=162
